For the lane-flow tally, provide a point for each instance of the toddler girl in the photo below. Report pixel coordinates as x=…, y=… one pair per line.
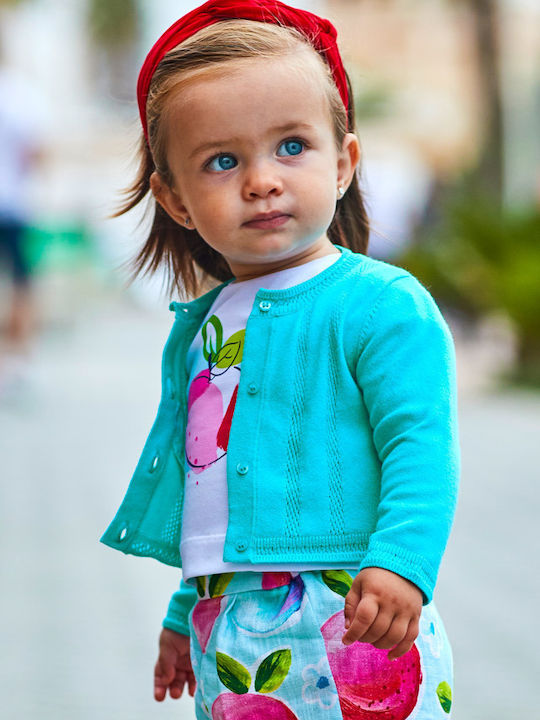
x=303, y=464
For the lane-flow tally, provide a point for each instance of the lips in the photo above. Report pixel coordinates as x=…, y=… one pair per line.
x=268, y=220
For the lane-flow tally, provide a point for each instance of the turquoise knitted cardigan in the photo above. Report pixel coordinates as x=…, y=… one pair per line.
x=343, y=446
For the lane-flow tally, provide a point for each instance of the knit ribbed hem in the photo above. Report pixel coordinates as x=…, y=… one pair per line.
x=326, y=548
x=176, y=625
x=409, y=565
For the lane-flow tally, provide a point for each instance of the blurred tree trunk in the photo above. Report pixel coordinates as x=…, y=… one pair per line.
x=487, y=177
x=486, y=33
x=113, y=27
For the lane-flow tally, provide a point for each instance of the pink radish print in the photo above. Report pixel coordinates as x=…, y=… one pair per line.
x=207, y=432
x=225, y=427
x=205, y=416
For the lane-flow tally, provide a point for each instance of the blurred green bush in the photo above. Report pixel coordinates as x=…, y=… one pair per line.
x=113, y=22
x=478, y=259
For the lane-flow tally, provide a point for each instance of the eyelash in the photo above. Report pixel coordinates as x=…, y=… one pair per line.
x=303, y=143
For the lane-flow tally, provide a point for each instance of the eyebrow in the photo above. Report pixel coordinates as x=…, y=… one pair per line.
x=230, y=141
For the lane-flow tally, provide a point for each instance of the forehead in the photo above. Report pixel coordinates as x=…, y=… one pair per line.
x=246, y=96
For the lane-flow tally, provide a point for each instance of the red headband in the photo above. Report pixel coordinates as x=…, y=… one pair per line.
x=320, y=33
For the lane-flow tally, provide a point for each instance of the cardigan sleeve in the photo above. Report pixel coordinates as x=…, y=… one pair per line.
x=406, y=371
x=180, y=605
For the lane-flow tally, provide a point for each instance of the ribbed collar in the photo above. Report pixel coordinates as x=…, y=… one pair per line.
x=295, y=293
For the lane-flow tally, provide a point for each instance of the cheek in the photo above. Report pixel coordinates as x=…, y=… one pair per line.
x=318, y=192
x=211, y=208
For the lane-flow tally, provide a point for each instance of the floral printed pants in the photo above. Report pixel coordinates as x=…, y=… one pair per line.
x=268, y=646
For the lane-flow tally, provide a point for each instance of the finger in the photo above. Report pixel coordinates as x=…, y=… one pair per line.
x=192, y=685
x=378, y=628
x=395, y=634
x=177, y=686
x=406, y=644
x=163, y=676
x=365, y=614
x=159, y=693
x=160, y=689
x=351, y=603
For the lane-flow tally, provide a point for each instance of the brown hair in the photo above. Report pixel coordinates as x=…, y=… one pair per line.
x=189, y=260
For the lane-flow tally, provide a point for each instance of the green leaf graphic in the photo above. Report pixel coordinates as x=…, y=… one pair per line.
x=227, y=356
x=272, y=671
x=218, y=583
x=232, y=674
x=338, y=581
x=231, y=352
x=210, y=351
x=201, y=585
x=444, y=693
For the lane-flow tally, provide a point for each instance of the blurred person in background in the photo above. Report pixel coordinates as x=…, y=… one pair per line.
x=20, y=125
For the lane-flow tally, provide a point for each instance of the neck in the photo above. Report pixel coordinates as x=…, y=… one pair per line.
x=244, y=272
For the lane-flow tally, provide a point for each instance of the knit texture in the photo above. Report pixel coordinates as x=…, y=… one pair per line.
x=349, y=451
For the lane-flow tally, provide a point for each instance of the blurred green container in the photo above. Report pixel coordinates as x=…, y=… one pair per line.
x=60, y=247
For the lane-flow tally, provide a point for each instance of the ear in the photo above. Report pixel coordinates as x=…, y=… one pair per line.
x=348, y=159
x=168, y=198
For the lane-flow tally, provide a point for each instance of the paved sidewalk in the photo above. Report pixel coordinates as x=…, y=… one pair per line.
x=79, y=622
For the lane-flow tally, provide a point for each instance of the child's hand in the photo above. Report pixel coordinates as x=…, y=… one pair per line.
x=173, y=667
x=383, y=609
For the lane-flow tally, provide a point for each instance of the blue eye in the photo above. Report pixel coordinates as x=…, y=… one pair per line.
x=222, y=162
x=292, y=147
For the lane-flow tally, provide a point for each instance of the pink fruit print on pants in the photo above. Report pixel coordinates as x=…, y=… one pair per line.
x=370, y=686
x=240, y=704
x=205, y=415
x=230, y=706
x=272, y=580
x=203, y=618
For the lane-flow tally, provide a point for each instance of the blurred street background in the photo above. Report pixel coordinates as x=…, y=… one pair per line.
x=448, y=95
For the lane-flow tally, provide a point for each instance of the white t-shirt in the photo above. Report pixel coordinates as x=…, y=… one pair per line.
x=214, y=363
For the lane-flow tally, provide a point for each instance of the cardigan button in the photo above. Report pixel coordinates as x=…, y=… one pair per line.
x=253, y=388
x=241, y=545
x=265, y=305
x=242, y=468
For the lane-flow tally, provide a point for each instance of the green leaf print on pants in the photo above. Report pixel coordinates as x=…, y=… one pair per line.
x=239, y=704
x=444, y=693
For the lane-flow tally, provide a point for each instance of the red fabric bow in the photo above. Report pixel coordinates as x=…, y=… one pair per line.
x=320, y=33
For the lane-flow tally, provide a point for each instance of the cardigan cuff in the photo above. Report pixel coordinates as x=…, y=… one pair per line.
x=177, y=627
x=180, y=606
x=410, y=566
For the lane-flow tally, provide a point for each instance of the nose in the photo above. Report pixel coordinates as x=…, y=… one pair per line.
x=261, y=180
